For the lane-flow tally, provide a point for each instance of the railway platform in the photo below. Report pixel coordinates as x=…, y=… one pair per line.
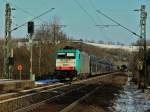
x=7, y=85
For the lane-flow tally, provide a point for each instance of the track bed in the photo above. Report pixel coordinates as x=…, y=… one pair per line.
x=95, y=95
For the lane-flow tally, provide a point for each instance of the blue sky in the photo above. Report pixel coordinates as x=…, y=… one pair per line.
x=79, y=23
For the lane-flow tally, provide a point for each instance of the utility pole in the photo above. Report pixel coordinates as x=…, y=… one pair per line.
x=54, y=31
x=142, y=56
x=143, y=17
x=8, y=51
x=142, y=49
x=39, y=62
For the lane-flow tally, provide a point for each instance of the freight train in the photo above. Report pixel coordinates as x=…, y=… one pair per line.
x=72, y=63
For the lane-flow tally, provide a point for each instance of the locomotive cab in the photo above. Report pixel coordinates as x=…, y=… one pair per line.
x=66, y=64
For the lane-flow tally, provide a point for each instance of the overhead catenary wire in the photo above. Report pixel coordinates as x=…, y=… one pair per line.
x=103, y=26
x=85, y=11
x=33, y=18
x=129, y=30
x=92, y=4
x=89, y=15
x=26, y=12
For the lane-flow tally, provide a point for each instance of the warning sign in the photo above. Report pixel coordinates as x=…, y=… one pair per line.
x=20, y=67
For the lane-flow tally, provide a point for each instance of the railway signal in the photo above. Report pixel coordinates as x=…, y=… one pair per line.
x=30, y=27
x=31, y=31
x=8, y=69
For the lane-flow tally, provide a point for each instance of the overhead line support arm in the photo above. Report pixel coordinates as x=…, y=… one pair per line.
x=118, y=24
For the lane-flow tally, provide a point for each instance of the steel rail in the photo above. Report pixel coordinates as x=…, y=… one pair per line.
x=77, y=102
x=37, y=105
x=11, y=96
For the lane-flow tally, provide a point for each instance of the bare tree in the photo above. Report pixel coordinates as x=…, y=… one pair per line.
x=51, y=31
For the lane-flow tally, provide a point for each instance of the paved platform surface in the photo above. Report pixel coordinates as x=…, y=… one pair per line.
x=11, y=85
x=8, y=81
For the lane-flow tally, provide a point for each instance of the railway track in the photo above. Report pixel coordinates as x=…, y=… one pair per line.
x=35, y=99
x=77, y=92
x=77, y=102
x=69, y=97
x=30, y=98
x=35, y=106
x=10, y=95
x=5, y=96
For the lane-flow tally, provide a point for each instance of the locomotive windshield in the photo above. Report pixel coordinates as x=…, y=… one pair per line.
x=61, y=55
x=65, y=55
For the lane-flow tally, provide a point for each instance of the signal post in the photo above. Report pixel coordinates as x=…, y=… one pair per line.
x=30, y=32
x=20, y=68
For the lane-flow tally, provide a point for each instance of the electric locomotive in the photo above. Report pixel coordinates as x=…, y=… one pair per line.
x=72, y=63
